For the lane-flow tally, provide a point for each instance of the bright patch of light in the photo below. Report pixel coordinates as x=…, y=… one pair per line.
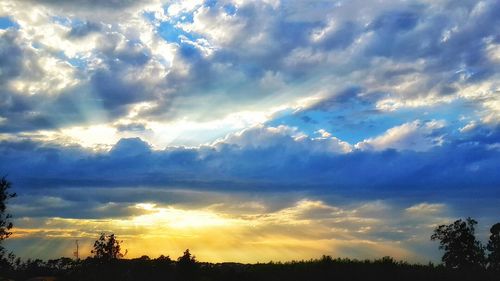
x=177, y=218
x=92, y=136
x=304, y=229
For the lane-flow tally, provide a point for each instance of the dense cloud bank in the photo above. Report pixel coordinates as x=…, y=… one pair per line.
x=264, y=158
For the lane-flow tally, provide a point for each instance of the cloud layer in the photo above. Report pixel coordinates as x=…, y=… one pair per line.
x=160, y=64
x=412, y=155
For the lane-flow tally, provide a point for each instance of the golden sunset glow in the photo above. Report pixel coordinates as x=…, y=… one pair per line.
x=303, y=230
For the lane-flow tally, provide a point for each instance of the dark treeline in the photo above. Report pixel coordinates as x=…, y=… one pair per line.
x=164, y=268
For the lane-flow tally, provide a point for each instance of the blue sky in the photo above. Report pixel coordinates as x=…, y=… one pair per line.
x=302, y=128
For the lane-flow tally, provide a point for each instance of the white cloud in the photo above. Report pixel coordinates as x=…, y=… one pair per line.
x=217, y=26
x=469, y=127
x=426, y=209
x=485, y=94
x=50, y=76
x=493, y=51
x=261, y=136
x=289, y=139
x=416, y=135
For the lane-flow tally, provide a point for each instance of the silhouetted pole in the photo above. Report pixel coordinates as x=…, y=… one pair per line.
x=76, y=252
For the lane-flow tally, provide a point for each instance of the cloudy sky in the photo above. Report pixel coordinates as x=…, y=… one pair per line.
x=249, y=130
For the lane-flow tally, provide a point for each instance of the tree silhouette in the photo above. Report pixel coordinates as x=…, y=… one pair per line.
x=494, y=248
x=5, y=222
x=462, y=249
x=186, y=259
x=107, y=248
x=187, y=266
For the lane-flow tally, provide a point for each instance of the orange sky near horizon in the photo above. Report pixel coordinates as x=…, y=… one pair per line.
x=252, y=233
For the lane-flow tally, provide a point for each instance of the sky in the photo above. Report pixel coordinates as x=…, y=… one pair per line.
x=249, y=131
